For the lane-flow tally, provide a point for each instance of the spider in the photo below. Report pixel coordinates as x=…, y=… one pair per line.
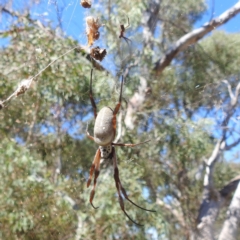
x=104, y=134
x=123, y=28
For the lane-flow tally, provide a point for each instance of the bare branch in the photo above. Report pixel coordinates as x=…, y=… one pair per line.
x=208, y=181
x=230, y=110
x=134, y=103
x=194, y=36
x=149, y=22
x=236, y=94
x=212, y=200
x=232, y=145
x=190, y=38
x=229, y=89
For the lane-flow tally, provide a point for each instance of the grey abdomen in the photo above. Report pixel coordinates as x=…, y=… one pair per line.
x=103, y=129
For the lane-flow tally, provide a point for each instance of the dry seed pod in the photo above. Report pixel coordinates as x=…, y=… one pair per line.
x=93, y=25
x=86, y=3
x=98, y=53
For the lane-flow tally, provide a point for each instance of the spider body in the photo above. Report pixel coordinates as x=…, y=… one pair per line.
x=105, y=151
x=104, y=134
x=103, y=129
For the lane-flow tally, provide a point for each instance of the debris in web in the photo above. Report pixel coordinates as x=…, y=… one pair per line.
x=23, y=86
x=86, y=3
x=98, y=53
x=92, y=27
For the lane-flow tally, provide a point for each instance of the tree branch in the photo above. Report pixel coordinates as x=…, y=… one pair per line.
x=194, y=36
x=212, y=199
x=185, y=41
x=232, y=145
x=230, y=227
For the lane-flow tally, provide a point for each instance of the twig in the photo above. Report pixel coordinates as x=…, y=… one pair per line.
x=194, y=36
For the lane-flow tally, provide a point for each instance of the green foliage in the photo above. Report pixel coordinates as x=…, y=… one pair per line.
x=30, y=203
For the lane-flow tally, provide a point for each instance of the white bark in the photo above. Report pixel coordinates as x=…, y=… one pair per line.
x=194, y=36
x=212, y=199
x=188, y=39
x=134, y=103
x=231, y=224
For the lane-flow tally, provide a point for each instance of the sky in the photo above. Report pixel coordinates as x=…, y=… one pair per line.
x=72, y=14
x=221, y=6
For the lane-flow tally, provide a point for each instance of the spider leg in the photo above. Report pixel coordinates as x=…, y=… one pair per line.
x=94, y=168
x=96, y=174
x=122, y=188
x=126, y=196
x=91, y=97
x=118, y=186
x=128, y=41
x=128, y=25
x=122, y=31
x=89, y=136
x=129, y=144
x=116, y=109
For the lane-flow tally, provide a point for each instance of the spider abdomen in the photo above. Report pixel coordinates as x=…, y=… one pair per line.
x=103, y=128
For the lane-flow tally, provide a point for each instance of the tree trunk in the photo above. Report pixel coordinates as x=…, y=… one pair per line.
x=231, y=224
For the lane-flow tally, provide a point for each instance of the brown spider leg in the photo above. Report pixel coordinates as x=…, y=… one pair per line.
x=95, y=167
x=122, y=31
x=92, y=168
x=126, y=196
x=91, y=97
x=119, y=101
x=128, y=41
x=123, y=28
x=114, y=121
x=124, y=191
x=129, y=144
x=89, y=136
x=118, y=186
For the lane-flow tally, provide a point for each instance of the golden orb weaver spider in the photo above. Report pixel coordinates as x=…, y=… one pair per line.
x=104, y=134
x=122, y=31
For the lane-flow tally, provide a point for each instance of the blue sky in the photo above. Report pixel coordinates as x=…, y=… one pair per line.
x=221, y=6
x=73, y=14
